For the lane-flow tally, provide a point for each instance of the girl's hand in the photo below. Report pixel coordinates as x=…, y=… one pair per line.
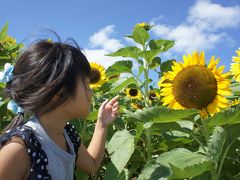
x=108, y=111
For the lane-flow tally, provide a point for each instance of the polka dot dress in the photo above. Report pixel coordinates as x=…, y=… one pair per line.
x=38, y=158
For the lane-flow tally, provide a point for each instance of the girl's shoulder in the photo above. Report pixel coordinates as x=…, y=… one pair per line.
x=14, y=158
x=36, y=157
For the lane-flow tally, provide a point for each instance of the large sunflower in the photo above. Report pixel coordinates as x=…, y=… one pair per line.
x=133, y=93
x=235, y=67
x=98, y=76
x=194, y=85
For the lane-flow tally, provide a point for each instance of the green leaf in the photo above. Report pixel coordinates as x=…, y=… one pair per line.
x=3, y=108
x=92, y=115
x=119, y=67
x=164, y=45
x=81, y=175
x=167, y=65
x=160, y=114
x=112, y=173
x=215, y=144
x=184, y=163
x=139, y=130
x=120, y=148
x=154, y=170
x=122, y=83
x=140, y=35
x=150, y=54
x=232, y=132
x=130, y=51
x=3, y=32
x=140, y=70
x=155, y=63
x=228, y=116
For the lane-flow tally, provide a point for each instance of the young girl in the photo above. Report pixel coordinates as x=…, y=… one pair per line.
x=51, y=81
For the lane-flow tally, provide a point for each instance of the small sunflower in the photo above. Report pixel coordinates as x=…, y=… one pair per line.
x=98, y=76
x=194, y=85
x=8, y=41
x=153, y=95
x=235, y=67
x=234, y=102
x=146, y=26
x=136, y=106
x=133, y=93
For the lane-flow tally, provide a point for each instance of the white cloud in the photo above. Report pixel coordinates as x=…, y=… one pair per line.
x=102, y=39
x=98, y=56
x=201, y=29
x=101, y=44
x=214, y=16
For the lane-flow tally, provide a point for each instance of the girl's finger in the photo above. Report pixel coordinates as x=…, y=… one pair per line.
x=115, y=105
x=114, y=100
x=104, y=104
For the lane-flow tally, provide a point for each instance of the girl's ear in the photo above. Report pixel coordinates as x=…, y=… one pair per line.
x=59, y=95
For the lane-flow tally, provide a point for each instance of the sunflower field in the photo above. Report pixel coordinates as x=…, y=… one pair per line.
x=179, y=119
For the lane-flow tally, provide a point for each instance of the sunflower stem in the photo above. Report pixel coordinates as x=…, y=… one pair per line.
x=148, y=130
x=224, y=156
x=214, y=174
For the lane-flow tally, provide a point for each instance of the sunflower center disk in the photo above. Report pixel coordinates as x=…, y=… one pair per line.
x=133, y=92
x=195, y=87
x=95, y=75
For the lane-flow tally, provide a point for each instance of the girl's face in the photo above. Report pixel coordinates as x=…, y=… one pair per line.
x=79, y=106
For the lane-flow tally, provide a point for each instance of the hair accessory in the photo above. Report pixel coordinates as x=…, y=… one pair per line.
x=6, y=76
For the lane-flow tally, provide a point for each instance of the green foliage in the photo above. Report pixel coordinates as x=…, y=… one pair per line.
x=140, y=35
x=215, y=144
x=120, y=148
x=4, y=32
x=119, y=67
x=122, y=83
x=160, y=114
x=166, y=65
x=130, y=51
x=228, y=116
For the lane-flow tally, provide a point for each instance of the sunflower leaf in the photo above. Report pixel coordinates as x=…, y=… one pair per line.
x=154, y=170
x=155, y=63
x=215, y=144
x=140, y=35
x=160, y=114
x=130, y=51
x=184, y=163
x=167, y=65
x=150, y=54
x=112, y=173
x=122, y=83
x=3, y=32
x=229, y=116
x=119, y=67
x=164, y=45
x=92, y=115
x=121, y=148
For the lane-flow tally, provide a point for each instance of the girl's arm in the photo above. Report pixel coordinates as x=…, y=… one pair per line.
x=14, y=160
x=90, y=159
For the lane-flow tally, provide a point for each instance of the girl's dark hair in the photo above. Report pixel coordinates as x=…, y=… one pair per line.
x=43, y=70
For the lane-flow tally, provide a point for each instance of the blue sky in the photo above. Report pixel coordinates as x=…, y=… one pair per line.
x=99, y=26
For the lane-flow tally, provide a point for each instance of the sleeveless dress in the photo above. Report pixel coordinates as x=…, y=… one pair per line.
x=48, y=160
